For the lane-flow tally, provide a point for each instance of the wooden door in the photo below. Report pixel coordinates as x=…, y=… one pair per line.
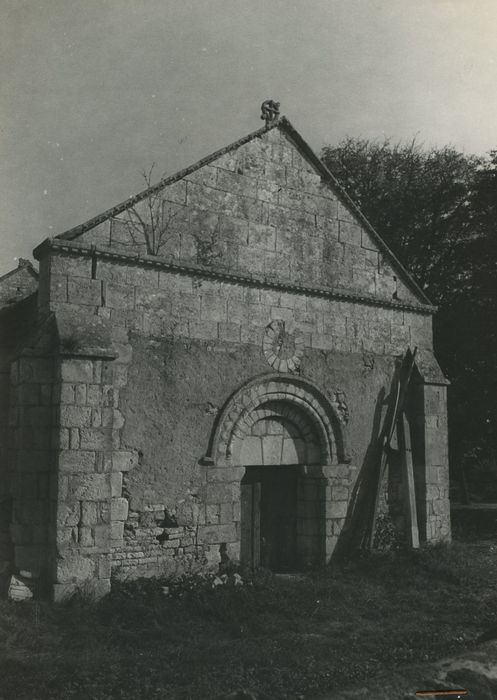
x=269, y=517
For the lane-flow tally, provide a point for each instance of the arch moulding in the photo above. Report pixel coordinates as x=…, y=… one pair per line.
x=296, y=395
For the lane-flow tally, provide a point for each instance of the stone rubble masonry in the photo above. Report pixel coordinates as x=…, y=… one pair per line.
x=149, y=548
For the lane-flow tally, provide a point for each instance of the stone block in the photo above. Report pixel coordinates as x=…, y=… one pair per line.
x=116, y=484
x=84, y=291
x=124, y=460
x=322, y=341
x=236, y=513
x=213, y=308
x=229, y=332
x=67, y=393
x=89, y=487
x=68, y=514
x=251, y=452
x=216, y=534
x=101, y=534
x=114, y=373
x=294, y=451
x=225, y=475
x=400, y=336
x=251, y=335
x=441, y=507
x=74, y=569
x=339, y=493
x=272, y=447
x=262, y=236
x=89, y=513
x=119, y=297
x=230, y=181
x=117, y=530
x=93, y=394
x=72, y=265
x=75, y=416
x=277, y=264
x=226, y=513
x=350, y=233
x=339, y=509
x=58, y=288
x=85, y=537
x=75, y=461
x=74, y=438
x=203, y=330
x=212, y=513
x=104, y=566
x=119, y=509
x=221, y=492
x=95, y=438
x=75, y=371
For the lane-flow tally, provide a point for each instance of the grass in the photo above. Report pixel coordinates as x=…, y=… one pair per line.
x=279, y=638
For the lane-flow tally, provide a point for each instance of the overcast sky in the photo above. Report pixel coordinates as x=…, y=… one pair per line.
x=93, y=91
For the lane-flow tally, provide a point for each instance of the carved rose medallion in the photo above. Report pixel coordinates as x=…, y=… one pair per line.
x=283, y=348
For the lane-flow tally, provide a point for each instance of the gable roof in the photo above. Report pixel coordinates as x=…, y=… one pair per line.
x=327, y=177
x=23, y=265
x=18, y=284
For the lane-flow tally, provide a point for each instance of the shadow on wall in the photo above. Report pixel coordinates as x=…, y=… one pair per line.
x=361, y=507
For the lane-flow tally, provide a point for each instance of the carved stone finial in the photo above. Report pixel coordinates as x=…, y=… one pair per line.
x=270, y=111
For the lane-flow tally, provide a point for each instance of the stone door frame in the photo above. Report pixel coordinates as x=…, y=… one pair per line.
x=323, y=500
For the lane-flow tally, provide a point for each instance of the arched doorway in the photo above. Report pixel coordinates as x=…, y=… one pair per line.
x=281, y=435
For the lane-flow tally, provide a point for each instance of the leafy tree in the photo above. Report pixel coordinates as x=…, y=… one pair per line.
x=437, y=210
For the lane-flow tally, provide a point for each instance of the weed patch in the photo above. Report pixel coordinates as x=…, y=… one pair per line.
x=277, y=637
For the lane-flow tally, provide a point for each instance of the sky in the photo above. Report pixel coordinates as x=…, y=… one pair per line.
x=94, y=92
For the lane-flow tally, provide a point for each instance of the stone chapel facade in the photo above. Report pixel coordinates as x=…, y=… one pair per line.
x=219, y=399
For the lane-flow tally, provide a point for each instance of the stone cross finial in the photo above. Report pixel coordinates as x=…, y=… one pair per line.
x=270, y=111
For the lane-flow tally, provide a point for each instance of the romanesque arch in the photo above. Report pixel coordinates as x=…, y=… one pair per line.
x=290, y=399
x=277, y=441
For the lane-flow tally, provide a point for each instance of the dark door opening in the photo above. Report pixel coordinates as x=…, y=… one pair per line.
x=269, y=517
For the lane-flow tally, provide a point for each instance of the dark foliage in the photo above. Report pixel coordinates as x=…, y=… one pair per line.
x=437, y=210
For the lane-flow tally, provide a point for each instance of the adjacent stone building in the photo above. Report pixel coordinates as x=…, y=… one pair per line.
x=201, y=373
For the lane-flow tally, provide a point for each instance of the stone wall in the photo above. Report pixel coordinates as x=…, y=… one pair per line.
x=146, y=353
x=17, y=319
x=261, y=209
x=33, y=444
x=183, y=343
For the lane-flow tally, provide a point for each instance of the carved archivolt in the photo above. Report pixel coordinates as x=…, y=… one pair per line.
x=293, y=398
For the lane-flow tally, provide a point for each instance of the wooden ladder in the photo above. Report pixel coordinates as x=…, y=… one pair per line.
x=396, y=419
